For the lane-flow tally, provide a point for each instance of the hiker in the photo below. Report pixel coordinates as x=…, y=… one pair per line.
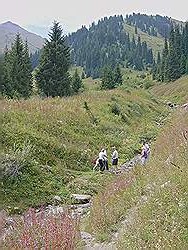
x=114, y=157
x=102, y=159
x=145, y=153
x=105, y=160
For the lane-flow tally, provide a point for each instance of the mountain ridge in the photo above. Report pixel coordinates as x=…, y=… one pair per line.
x=8, y=31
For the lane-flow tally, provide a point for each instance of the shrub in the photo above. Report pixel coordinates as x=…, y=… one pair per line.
x=115, y=109
x=11, y=164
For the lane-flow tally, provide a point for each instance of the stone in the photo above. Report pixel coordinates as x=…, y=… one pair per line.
x=81, y=198
x=185, y=106
x=57, y=198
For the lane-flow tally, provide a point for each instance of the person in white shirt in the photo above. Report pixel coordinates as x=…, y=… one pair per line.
x=114, y=157
x=102, y=157
x=105, y=160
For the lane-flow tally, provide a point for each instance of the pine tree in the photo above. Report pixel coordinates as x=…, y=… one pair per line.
x=158, y=58
x=173, y=61
x=17, y=78
x=107, y=79
x=117, y=76
x=83, y=75
x=27, y=69
x=76, y=82
x=163, y=67
x=52, y=77
x=135, y=30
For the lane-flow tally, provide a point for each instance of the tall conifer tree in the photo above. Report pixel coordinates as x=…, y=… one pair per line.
x=17, y=78
x=53, y=77
x=76, y=82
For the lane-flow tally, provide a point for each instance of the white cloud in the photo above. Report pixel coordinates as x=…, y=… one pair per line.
x=73, y=13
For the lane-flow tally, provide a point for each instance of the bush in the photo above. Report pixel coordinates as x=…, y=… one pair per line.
x=11, y=164
x=115, y=109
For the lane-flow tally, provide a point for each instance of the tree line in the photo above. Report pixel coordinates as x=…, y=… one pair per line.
x=174, y=60
x=107, y=43
x=152, y=25
x=52, y=75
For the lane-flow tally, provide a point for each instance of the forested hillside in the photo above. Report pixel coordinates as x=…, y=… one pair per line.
x=152, y=25
x=108, y=43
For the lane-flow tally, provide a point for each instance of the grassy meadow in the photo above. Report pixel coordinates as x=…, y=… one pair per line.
x=48, y=145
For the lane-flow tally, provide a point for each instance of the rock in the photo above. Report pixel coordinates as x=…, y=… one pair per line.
x=57, y=199
x=185, y=106
x=81, y=198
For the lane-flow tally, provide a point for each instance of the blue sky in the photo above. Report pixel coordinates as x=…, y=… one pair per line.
x=37, y=15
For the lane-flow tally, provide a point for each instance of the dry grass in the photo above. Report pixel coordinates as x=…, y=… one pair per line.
x=175, y=91
x=161, y=221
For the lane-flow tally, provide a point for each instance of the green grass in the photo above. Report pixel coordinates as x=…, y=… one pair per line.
x=65, y=138
x=174, y=91
x=161, y=221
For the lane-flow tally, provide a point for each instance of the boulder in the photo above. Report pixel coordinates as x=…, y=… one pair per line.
x=57, y=199
x=81, y=198
x=185, y=106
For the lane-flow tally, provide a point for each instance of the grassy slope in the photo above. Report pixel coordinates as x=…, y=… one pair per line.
x=175, y=91
x=58, y=140
x=161, y=221
x=156, y=43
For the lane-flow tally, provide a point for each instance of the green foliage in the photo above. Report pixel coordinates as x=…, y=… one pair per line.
x=175, y=53
x=1, y=74
x=107, y=43
x=11, y=164
x=107, y=79
x=111, y=78
x=52, y=75
x=118, y=76
x=115, y=108
x=76, y=82
x=17, y=78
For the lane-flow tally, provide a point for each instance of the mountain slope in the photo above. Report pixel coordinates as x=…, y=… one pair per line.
x=8, y=30
x=154, y=42
x=133, y=41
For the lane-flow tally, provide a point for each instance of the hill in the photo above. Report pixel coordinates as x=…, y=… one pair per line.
x=133, y=41
x=8, y=30
x=47, y=146
x=157, y=25
x=175, y=92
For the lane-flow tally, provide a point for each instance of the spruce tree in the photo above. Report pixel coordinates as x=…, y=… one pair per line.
x=117, y=76
x=173, y=61
x=107, y=78
x=17, y=78
x=76, y=82
x=163, y=67
x=53, y=77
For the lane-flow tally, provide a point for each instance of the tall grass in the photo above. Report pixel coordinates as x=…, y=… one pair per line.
x=43, y=231
x=161, y=221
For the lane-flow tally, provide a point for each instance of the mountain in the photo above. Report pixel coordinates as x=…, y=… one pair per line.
x=133, y=41
x=8, y=30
